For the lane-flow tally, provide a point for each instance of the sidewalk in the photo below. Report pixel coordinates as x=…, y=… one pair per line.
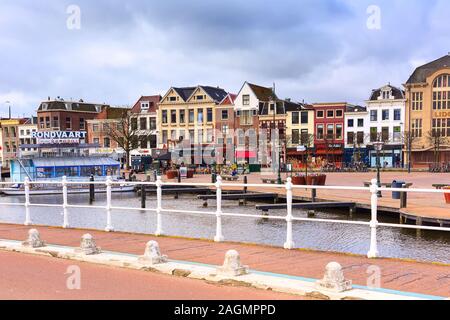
x=424, y=278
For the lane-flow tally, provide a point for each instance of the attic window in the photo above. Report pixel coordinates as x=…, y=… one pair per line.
x=200, y=97
x=144, y=105
x=68, y=106
x=98, y=108
x=386, y=94
x=44, y=106
x=172, y=99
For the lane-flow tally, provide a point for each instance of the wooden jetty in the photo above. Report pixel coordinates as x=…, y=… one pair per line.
x=309, y=206
x=241, y=197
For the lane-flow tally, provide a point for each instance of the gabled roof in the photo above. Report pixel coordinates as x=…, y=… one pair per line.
x=184, y=92
x=216, y=93
x=229, y=99
x=262, y=93
x=396, y=92
x=421, y=73
x=155, y=99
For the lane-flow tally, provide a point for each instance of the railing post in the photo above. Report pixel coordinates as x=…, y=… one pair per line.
x=373, y=251
x=289, y=244
x=219, y=235
x=65, y=212
x=27, y=202
x=159, y=230
x=109, y=226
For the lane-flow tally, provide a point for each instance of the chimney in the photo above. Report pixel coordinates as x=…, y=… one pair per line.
x=9, y=112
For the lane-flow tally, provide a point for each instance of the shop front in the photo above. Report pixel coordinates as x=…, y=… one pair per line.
x=391, y=156
x=329, y=154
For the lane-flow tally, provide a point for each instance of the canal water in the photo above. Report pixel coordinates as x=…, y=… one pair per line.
x=392, y=242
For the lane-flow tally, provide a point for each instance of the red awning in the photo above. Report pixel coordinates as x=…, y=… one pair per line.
x=245, y=154
x=324, y=151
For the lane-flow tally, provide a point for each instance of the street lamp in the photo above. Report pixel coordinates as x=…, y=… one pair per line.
x=280, y=149
x=378, y=147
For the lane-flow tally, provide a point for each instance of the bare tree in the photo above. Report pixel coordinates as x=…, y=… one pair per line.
x=408, y=139
x=436, y=139
x=124, y=131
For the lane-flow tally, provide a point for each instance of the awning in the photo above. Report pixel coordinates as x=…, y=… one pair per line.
x=325, y=152
x=246, y=154
x=164, y=157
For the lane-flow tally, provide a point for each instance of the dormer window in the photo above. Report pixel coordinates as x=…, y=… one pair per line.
x=386, y=94
x=145, y=105
x=44, y=106
x=98, y=108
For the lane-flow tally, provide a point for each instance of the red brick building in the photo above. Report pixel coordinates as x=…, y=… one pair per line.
x=329, y=132
x=60, y=115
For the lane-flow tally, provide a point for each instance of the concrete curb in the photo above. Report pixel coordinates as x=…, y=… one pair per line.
x=259, y=280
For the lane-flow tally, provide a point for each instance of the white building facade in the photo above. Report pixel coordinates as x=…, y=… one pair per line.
x=356, y=130
x=386, y=122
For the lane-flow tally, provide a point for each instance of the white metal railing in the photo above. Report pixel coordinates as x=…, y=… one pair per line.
x=218, y=186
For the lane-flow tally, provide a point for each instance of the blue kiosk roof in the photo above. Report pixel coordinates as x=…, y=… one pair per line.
x=74, y=162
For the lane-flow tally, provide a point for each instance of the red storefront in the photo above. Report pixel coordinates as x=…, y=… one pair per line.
x=329, y=133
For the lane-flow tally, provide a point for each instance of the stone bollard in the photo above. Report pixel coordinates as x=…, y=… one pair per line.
x=334, y=279
x=88, y=245
x=34, y=240
x=232, y=265
x=152, y=254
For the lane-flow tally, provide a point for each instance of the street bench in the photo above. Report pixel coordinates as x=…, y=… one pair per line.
x=439, y=186
x=386, y=184
x=271, y=181
x=230, y=178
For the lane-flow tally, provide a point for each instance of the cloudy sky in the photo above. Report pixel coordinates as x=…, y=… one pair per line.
x=316, y=50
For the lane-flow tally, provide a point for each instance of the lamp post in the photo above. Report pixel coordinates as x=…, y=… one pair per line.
x=378, y=147
x=280, y=149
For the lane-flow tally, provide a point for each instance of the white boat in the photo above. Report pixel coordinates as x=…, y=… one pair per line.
x=53, y=191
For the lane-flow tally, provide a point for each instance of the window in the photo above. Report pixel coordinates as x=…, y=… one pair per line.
x=339, y=131
x=350, y=123
x=164, y=116
x=373, y=115
x=144, y=105
x=441, y=93
x=82, y=124
x=320, y=132
x=41, y=123
x=143, y=142
x=330, y=113
x=397, y=136
x=199, y=135
x=95, y=127
x=416, y=128
x=47, y=122
x=385, y=114
x=106, y=143
x=199, y=97
x=173, y=116
x=360, y=123
x=304, y=117
x=164, y=137
x=68, y=123
x=441, y=127
x=173, y=135
x=191, y=135
x=55, y=123
x=200, y=116
x=373, y=134
x=96, y=141
x=209, y=115
x=295, y=136
x=225, y=129
x=319, y=114
x=182, y=116
x=397, y=114
x=360, y=137
x=417, y=101
x=304, y=136
x=173, y=99
x=143, y=123
x=246, y=117
x=385, y=134
x=295, y=118
x=224, y=115
x=153, y=142
x=191, y=116
x=152, y=123
x=134, y=125
x=246, y=99
x=106, y=127
x=330, y=131
x=386, y=94
x=339, y=113
x=209, y=135
x=350, y=137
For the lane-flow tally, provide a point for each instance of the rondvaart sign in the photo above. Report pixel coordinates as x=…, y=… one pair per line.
x=59, y=137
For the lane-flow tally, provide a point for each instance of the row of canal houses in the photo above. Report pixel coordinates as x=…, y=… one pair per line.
x=332, y=132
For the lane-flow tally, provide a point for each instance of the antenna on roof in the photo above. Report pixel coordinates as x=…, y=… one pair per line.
x=273, y=88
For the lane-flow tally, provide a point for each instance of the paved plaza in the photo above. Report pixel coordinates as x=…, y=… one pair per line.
x=422, y=278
